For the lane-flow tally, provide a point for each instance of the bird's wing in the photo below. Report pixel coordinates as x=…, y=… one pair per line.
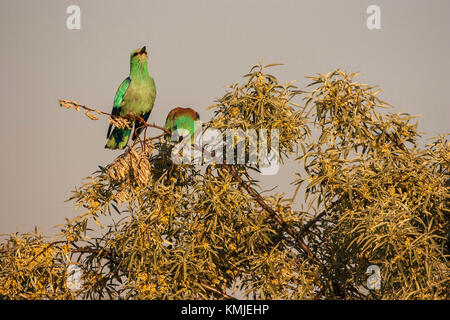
x=139, y=126
x=170, y=123
x=118, y=100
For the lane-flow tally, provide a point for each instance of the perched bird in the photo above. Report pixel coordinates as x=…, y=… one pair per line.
x=135, y=96
x=182, y=118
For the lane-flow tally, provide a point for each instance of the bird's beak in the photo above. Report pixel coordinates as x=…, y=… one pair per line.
x=143, y=50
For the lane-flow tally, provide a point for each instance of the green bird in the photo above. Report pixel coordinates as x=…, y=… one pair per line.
x=182, y=118
x=135, y=96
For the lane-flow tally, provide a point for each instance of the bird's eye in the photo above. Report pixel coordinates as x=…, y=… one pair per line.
x=135, y=54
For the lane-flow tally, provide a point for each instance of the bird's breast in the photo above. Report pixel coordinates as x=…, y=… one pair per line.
x=139, y=98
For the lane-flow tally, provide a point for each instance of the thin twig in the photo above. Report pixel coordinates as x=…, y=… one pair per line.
x=45, y=249
x=75, y=105
x=216, y=291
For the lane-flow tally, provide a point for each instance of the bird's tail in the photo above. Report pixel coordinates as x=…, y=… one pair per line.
x=118, y=138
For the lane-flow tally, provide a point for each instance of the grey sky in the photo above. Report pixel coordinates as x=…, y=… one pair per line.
x=195, y=48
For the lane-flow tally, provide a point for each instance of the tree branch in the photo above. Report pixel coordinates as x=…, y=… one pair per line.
x=299, y=241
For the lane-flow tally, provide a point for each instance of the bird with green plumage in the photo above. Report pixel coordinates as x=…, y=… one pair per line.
x=135, y=97
x=183, y=120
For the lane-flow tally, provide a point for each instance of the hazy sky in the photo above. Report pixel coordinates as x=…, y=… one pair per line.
x=195, y=48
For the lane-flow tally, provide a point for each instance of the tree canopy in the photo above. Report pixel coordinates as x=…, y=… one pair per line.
x=366, y=193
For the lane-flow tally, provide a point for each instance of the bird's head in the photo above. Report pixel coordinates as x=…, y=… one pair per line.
x=139, y=56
